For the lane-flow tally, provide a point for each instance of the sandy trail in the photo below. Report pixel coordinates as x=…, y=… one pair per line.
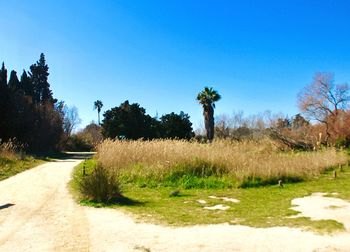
x=37, y=213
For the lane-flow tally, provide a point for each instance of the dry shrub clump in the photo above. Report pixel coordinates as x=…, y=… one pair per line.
x=246, y=162
x=101, y=185
x=11, y=150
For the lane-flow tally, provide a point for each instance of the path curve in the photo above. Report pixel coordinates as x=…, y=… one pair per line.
x=37, y=213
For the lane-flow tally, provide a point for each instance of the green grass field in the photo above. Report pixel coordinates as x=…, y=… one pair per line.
x=264, y=206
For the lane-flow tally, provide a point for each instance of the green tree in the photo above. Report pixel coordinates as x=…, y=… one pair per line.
x=14, y=83
x=4, y=104
x=207, y=99
x=27, y=85
x=129, y=121
x=39, y=73
x=98, y=105
x=176, y=126
x=3, y=75
x=38, y=127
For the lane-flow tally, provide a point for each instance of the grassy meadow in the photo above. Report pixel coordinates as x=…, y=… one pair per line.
x=163, y=181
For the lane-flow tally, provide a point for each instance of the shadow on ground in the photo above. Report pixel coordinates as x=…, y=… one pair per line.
x=119, y=201
x=62, y=156
x=6, y=206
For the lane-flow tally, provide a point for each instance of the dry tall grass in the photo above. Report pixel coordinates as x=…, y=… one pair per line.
x=9, y=150
x=241, y=160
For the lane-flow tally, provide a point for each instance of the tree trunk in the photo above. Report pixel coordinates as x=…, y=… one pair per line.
x=209, y=122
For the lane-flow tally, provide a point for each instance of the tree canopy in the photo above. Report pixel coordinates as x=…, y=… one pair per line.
x=130, y=121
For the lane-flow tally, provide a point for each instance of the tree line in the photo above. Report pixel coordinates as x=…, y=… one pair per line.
x=33, y=117
x=130, y=121
x=324, y=118
x=29, y=113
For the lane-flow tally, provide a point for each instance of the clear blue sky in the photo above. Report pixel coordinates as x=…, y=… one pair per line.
x=257, y=54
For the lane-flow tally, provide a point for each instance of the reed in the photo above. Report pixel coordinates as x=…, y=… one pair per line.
x=248, y=163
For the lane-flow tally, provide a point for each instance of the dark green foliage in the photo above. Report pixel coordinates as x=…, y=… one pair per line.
x=39, y=73
x=14, y=83
x=27, y=85
x=77, y=142
x=177, y=126
x=28, y=112
x=130, y=121
x=258, y=182
x=3, y=75
x=100, y=186
x=4, y=104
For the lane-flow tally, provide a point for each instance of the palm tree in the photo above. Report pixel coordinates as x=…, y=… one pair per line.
x=98, y=105
x=207, y=98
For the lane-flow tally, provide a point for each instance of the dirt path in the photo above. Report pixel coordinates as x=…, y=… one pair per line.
x=43, y=215
x=37, y=213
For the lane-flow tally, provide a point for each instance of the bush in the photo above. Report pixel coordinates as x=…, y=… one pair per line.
x=85, y=140
x=77, y=143
x=101, y=185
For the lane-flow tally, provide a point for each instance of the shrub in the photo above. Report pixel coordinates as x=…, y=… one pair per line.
x=11, y=150
x=77, y=143
x=101, y=185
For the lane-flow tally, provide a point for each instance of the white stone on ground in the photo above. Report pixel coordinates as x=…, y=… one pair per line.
x=201, y=201
x=217, y=207
x=230, y=199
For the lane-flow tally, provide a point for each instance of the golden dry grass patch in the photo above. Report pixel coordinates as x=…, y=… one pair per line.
x=262, y=159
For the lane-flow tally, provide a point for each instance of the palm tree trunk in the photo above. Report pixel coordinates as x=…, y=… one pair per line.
x=209, y=122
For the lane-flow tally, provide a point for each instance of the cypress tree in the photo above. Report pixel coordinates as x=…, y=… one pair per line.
x=39, y=73
x=14, y=83
x=4, y=104
x=27, y=85
x=3, y=75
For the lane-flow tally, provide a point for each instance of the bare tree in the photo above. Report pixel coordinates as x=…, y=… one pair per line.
x=322, y=100
x=71, y=119
x=223, y=125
